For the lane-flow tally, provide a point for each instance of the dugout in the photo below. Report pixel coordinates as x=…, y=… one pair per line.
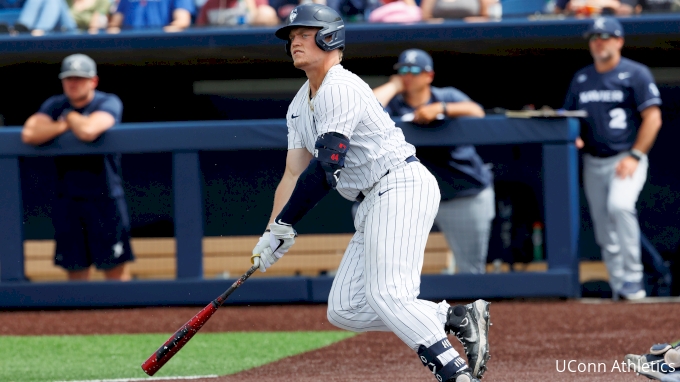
x=212, y=74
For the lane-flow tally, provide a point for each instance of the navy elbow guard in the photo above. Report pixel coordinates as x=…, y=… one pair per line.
x=318, y=178
x=330, y=150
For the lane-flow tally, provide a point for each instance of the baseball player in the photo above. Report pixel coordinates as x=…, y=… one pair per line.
x=90, y=216
x=339, y=137
x=468, y=203
x=623, y=121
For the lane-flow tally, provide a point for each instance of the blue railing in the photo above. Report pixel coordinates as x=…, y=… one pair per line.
x=186, y=139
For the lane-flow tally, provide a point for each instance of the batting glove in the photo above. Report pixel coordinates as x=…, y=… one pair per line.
x=273, y=245
x=282, y=237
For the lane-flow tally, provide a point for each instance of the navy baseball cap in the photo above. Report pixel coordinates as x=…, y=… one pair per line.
x=78, y=65
x=608, y=25
x=415, y=57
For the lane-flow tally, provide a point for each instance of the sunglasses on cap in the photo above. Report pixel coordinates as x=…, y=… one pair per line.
x=602, y=36
x=404, y=70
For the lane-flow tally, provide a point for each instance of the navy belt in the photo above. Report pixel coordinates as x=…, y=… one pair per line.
x=412, y=158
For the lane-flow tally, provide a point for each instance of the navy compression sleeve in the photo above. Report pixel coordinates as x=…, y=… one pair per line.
x=318, y=179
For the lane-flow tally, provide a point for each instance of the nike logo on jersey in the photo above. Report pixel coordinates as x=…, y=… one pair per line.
x=294, y=116
x=380, y=193
x=624, y=75
x=600, y=96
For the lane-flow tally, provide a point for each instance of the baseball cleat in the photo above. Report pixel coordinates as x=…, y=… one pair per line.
x=463, y=376
x=632, y=291
x=470, y=324
x=653, y=367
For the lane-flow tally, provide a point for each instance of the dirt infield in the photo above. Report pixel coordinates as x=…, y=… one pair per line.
x=529, y=340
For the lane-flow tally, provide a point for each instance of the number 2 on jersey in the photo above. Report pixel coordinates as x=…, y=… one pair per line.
x=618, y=118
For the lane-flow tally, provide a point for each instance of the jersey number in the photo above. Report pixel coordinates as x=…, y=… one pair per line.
x=618, y=118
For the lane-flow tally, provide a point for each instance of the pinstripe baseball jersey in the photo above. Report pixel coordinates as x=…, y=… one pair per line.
x=345, y=104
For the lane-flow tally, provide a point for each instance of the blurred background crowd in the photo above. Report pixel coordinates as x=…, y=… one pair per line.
x=39, y=17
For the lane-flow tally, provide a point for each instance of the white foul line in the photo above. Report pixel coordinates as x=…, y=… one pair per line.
x=148, y=379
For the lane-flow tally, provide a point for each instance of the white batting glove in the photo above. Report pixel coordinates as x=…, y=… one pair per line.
x=273, y=245
x=282, y=237
x=263, y=256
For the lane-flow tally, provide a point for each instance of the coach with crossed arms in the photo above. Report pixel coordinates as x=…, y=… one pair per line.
x=623, y=121
x=90, y=214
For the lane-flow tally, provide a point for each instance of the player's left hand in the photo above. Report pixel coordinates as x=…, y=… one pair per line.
x=626, y=167
x=263, y=256
x=427, y=113
x=273, y=245
x=282, y=237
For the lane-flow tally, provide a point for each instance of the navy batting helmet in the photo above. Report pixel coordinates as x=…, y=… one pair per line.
x=316, y=16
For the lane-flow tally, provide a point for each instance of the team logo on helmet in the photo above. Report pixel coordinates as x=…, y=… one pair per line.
x=411, y=57
x=293, y=15
x=600, y=23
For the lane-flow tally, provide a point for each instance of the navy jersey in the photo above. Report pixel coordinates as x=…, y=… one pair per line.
x=613, y=101
x=458, y=169
x=87, y=176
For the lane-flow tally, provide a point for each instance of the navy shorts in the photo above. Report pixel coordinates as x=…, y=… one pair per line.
x=91, y=231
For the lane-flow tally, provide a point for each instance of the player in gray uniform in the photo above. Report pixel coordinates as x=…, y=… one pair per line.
x=623, y=121
x=339, y=137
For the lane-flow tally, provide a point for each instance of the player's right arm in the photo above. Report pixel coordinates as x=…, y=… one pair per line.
x=571, y=103
x=40, y=128
x=384, y=93
x=297, y=161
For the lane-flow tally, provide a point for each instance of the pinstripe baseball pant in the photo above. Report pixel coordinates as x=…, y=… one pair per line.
x=611, y=201
x=378, y=282
x=466, y=224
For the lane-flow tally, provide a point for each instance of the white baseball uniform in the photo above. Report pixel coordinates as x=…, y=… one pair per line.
x=377, y=284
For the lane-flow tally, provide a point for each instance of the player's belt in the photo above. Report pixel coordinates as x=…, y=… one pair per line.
x=412, y=158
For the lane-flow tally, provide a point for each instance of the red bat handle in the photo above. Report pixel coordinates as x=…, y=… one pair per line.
x=184, y=334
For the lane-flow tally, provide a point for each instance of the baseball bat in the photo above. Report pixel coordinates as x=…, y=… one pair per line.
x=187, y=331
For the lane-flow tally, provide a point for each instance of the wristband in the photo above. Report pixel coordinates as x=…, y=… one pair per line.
x=637, y=154
x=444, y=108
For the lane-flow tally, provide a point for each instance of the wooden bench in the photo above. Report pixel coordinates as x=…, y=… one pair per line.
x=225, y=257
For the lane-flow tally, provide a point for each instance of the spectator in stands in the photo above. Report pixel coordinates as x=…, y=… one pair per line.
x=40, y=16
x=91, y=15
x=237, y=12
x=471, y=10
x=593, y=7
x=396, y=11
x=653, y=6
x=284, y=7
x=90, y=215
x=466, y=183
x=354, y=10
x=171, y=15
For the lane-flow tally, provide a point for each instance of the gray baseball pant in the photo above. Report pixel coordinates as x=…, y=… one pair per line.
x=466, y=224
x=612, y=208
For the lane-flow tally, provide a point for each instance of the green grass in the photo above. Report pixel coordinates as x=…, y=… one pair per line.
x=64, y=358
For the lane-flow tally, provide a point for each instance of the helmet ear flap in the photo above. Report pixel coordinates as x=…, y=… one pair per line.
x=321, y=40
x=288, y=49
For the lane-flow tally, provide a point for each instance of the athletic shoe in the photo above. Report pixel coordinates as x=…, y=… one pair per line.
x=463, y=376
x=470, y=324
x=632, y=291
x=653, y=367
